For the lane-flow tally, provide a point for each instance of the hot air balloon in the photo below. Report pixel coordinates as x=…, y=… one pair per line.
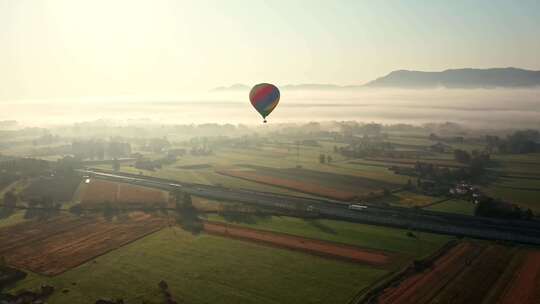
x=264, y=97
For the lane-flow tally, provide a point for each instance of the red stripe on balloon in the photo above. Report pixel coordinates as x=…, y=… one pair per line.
x=261, y=93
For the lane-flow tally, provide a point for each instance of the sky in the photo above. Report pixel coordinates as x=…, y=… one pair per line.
x=78, y=48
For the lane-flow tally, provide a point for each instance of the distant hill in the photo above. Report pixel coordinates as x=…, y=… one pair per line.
x=456, y=78
x=317, y=86
x=305, y=86
x=460, y=78
x=234, y=87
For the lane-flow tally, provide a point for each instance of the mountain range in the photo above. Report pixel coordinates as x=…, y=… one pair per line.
x=453, y=79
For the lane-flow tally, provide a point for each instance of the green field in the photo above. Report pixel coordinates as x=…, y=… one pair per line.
x=522, y=198
x=207, y=177
x=454, y=206
x=208, y=269
x=371, y=170
x=15, y=218
x=268, y=156
x=412, y=199
x=345, y=183
x=367, y=236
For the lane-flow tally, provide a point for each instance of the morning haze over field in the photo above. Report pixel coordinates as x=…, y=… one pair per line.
x=269, y=152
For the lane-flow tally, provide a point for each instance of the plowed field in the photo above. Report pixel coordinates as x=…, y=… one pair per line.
x=473, y=273
x=102, y=191
x=56, y=245
x=525, y=286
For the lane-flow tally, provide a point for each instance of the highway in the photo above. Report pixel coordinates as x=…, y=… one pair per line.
x=409, y=218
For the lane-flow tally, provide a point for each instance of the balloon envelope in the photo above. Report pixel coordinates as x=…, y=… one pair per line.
x=264, y=97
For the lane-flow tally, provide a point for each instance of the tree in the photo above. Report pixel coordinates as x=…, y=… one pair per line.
x=409, y=185
x=10, y=202
x=462, y=156
x=322, y=159
x=328, y=158
x=116, y=164
x=187, y=202
x=529, y=214
x=186, y=215
x=76, y=209
x=67, y=165
x=10, y=199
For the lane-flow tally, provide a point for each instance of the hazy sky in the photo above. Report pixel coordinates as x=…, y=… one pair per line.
x=70, y=48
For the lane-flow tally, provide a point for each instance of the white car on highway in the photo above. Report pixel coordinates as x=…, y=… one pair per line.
x=357, y=207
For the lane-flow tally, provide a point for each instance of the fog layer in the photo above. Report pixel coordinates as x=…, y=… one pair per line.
x=495, y=108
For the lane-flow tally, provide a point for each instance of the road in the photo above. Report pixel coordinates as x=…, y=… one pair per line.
x=409, y=218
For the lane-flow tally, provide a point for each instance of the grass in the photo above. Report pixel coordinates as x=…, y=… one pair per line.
x=227, y=158
x=529, y=157
x=529, y=184
x=411, y=199
x=207, y=177
x=208, y=269
x=522, y=198
x=416, y=141
x=367, y=236
x=405, y=199
x=18, y=215
x=15, y=218
x=454, y=206
x=371, y=170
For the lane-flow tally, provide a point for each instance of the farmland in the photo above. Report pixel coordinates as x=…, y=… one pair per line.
x=229, y=271
x=333, y=250
x=58, y=244
x=249, y=254
x=522, y=192
x=272, y=168
x=336, y=186
x=472, y=273
x=525, y=284
x=304, y=187
x=366, y=236
x=102, y=191
x=454, y=206
x=406, y=199
x=60, y=189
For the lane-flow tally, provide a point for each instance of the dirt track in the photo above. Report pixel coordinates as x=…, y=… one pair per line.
x=54, y=246
x=317, y=247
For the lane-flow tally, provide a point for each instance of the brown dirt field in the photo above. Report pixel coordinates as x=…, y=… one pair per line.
x=56, y=245
x=102, y=191
x=421, y=287
x=475, y=282
x=472, y=273
x=99, y=191
x=317, y=247
x=304, y=187
x=525, y=286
